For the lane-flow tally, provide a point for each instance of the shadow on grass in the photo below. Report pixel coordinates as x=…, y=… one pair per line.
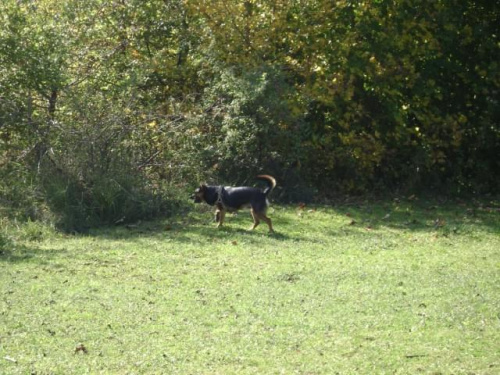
x=411, y=215
x=197, y=225
x=194, y=227
x=191, y=230
x=16, y=253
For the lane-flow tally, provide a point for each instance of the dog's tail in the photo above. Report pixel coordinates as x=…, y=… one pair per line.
x=271, y=182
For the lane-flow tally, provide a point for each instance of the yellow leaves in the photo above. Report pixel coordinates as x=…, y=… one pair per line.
x=317, y=69
x=349, y=92
x=291, y=61
x=135, y=54
x=438, y=157
x=462, y=119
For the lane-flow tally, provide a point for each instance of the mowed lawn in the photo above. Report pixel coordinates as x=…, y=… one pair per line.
x=387, y=287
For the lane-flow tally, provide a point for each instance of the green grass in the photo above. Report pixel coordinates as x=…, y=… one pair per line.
x=369, y=288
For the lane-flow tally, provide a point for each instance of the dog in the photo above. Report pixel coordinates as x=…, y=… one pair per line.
x=231, y=199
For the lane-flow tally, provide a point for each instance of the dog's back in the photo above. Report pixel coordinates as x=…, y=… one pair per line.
x=239, y=197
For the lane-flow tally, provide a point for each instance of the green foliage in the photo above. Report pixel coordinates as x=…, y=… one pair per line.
x=33, y=231
x=116, y=106
x=247, y=125
x=4, y=243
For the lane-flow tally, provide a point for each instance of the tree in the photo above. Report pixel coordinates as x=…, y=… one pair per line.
x=106, y=107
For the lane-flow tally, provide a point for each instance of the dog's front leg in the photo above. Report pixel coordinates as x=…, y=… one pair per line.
x=220, y=213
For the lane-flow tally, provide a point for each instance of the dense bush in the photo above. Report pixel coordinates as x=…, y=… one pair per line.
x=109, y=111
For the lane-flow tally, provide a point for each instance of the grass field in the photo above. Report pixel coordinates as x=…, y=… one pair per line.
x=402, y=287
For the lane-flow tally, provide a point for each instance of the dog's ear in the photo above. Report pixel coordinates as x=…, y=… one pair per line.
x=203, y=187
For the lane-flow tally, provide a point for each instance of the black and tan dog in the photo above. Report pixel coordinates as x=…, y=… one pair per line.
x=230, y=199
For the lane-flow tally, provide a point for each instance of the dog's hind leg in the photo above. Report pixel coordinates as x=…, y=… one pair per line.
x=268, y=222
x=257, y=216
x=256, y=220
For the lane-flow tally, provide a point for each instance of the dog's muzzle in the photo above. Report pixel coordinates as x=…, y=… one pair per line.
x=195, y=198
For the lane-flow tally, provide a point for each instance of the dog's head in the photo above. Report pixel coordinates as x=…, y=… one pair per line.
x=199, y=194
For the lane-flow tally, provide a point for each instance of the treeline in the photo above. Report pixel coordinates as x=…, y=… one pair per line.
x=112, y=110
